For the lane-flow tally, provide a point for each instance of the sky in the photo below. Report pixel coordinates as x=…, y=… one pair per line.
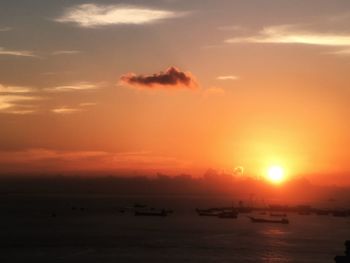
x=176, y=86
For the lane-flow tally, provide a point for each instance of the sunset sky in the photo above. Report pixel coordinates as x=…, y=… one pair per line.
x=176, y=86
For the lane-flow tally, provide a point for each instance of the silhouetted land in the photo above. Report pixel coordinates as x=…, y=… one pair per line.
x=210, y=184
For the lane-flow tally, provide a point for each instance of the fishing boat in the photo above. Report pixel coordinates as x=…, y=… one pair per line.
x=208, y=212
x=228, y=214
x=224, y=212
x=264, y=220
x=151, y=213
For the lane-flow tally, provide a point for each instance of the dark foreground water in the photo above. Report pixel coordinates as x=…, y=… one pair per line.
x=100, y=233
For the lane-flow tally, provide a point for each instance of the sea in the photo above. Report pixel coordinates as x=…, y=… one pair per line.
x=92, y=229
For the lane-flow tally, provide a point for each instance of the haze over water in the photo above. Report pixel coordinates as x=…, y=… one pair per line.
x=101, y=234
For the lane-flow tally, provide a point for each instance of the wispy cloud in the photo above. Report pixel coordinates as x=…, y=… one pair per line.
x=66, y=52
x=66, y=110
x=95, y=15
x=49, y=159
x=24, y=100
x=171, y=78
x=341, y=52
x=228, y=77
x=20, y=111
x=87, y=104
x=17, y=53
x=15, y=89
x=83, y=106
x=80, y=86
x=15, y=104
x=289, y=34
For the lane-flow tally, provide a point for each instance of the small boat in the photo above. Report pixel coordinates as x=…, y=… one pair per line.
x=264, y=220
x=228, y=214
x=151, y=213
x=224, y=212
x=208, y=212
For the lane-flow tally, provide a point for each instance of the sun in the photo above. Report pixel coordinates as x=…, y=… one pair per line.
x=275, y=174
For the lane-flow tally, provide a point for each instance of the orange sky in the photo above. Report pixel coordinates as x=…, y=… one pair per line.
x=176, y=87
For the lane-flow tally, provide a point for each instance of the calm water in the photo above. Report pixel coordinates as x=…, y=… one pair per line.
x=101, y=234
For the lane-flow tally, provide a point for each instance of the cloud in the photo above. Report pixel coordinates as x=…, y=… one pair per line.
x=87, y=104
x=289, y=34
x=14, y=100
x=23, y=100
x=15, y=89
x=15, y=104
x=33, y=155
x=341, y=52
x=171, y=78
x=17, y=53
x=41, y=159
x=66, y=110
x=79, y=86
x=94, y=15
x=65, y=52
x=69, y=110
x=228, y=77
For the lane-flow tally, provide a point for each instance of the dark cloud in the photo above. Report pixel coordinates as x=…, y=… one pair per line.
x=171, y=78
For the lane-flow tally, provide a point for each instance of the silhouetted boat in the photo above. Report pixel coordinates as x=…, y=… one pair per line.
x=346, y=257
x=228, y=214
x=208, y=212
x=264, y=220
x=224, y=212
x=151, y=213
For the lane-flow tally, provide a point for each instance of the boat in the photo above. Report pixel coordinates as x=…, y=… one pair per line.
x=151, y=213
x=264, y=220
x=228, y=214
x=208, y=212
x=224, y=212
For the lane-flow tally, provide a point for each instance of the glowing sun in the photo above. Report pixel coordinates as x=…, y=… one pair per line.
x=275, y=174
